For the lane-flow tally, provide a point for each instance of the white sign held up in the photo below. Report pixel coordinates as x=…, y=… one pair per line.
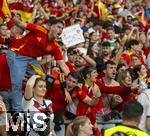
x=72, y=35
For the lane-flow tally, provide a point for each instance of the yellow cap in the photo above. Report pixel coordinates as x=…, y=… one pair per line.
x=117, y=6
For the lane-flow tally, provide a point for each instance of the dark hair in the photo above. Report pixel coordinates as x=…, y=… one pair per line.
x=53, y=20
x=87, y=70
x=89, y=50
x=37, y=80
x=109, y=62
x=77, y=20
x=130, y=70
x=131, y=43
x=136, y=69
x=110, y=28
x=132, y=110
x=125, y=27
x=75, y=75
x=91, y=34
x=98, y=22
x=70, y=51
x=107, y=24
x=90, y=20
x=99, y=63
x=120, y=65
x=105, y=44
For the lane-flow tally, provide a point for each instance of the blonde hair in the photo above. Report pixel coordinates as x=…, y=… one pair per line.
x=77, y=122
x=122, y=75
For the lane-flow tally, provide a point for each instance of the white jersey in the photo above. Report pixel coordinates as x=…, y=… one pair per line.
x=144, y=99
x=33, y=105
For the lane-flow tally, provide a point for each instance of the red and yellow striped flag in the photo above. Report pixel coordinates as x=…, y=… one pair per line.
x=102, y=9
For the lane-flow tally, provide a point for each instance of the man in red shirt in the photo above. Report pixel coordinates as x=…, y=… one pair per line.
x=60, y=94
x=91, y=90
x=38, y=42
x=71, y=59
x=66, y=94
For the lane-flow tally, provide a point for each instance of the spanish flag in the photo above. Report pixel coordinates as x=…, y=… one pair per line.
x=101, y=9
x=25, y=16
x=36, y=69
x=4, y=8
x=138, y=16
x=24, y=11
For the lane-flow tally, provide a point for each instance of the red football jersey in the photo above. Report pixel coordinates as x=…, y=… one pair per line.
x=35, y=44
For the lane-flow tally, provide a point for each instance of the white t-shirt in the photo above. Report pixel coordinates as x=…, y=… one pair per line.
x=33, y=105
x=144, y=99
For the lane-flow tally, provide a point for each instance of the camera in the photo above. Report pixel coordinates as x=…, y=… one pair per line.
x=49, y=81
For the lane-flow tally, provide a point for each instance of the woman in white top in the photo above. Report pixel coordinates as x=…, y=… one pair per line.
x=39, y=109
x=144, y=99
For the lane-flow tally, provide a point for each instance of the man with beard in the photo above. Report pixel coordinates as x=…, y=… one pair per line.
x=82, y=60
x=106, y=51
x=71, y=59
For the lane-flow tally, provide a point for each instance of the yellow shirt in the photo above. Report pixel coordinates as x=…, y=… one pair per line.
x=128, y=130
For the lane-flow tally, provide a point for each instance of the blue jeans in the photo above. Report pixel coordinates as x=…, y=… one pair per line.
x=18, y=68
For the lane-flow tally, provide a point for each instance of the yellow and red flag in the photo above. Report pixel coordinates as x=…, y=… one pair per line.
x=24, y=11
x=4, y=8
x=101, y=9
x=141, y=19
x=36, y=69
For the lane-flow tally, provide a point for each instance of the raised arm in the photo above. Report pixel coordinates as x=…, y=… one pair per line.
x=29, y=87
x=89, y=60
x=114, y=89
x=63, y=66
x=43, y=11
x=90, y=101
x=18, y=22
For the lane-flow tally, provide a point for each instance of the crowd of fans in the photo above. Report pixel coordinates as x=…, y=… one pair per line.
x=109, y=81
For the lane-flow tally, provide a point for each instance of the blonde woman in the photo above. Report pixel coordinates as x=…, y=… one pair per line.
x=80, y=126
